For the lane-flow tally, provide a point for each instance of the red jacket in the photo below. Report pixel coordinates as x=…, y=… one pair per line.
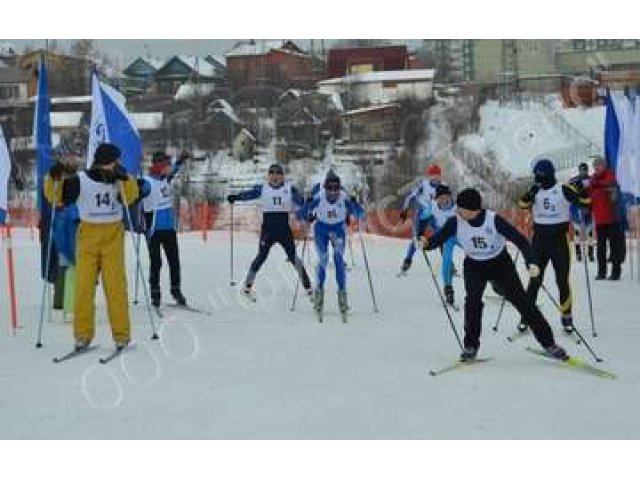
x=602, y=190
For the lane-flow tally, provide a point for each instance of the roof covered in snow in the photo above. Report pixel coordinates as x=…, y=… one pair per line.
x=66, y=119
x=190, y=90
x=387, y=76
x=147, y=120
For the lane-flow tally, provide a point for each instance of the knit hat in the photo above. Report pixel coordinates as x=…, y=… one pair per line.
x=160, y=157
x=544, y=168
x=442, y=189
x=331, y=178
x=276, y=168
x=105, y=154
x=434, y=169
x=470, y=199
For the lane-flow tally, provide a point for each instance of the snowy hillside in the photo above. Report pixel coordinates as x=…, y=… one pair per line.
x=263, y=371
x=517, y=136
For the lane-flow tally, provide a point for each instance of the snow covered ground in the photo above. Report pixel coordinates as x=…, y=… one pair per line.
x=261, y=371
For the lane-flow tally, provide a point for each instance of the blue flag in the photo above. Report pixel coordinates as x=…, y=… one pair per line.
x=622, y=146
x=110, y=122
x=42, y=139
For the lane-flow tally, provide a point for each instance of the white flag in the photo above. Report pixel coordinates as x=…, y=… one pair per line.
x=5, y=170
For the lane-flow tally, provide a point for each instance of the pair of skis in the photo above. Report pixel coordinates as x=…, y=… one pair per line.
x=574, y=363
x=75, y=353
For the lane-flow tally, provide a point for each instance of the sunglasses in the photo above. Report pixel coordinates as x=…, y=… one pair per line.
x=333, y=188
x=276, y=172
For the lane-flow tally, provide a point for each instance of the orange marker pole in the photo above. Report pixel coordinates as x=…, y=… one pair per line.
x=11, y=281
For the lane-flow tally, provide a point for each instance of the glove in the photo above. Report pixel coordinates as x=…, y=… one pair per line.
x=534, y=271
x=403, y=215
x=183, y=156
x=425, y=242
x=231, y=198
x=56, y=171
x=311, y=218
x=120, y=173
x=535, y=188
x=428, y=233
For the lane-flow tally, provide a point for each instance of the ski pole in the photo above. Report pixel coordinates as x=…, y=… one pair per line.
x=304, y=248
x=232, y=282
x=504, y=300
x=154, y=336
x=47, y=265
x=444, y=304
x=137, y=276
x=587, y=280
x=586, y=344
x=366, y=264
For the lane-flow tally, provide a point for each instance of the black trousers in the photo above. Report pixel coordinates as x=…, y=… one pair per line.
x=612, y=234
x=168, y=240
x=502, y=272
x=269, y=237
x=552, y=248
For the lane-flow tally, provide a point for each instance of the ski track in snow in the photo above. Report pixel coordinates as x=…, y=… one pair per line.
x=260, y=371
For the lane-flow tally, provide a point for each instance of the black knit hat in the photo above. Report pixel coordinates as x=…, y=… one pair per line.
x=442, y=189
x=105, y=154
x=160, y=157
x=276, y=168
x=331, y=178
x=470, y=199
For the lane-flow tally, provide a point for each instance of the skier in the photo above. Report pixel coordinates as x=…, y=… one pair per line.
x=581, y=217
x=99, y=193
x=422, y=196
x=277, y=198
x=330, y=207
x=65, y=226
x=443, y=209
x=160, y=223
x=550, y=202
x=605, y=196
x=482, y=234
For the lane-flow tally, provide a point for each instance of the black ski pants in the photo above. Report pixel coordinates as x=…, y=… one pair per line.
x=168, y=240
x=612, y=234
x=554, y=248
x=500, y=270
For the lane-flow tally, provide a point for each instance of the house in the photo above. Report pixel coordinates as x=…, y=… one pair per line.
x=277, y=64
x=352, y=60
x=140, y=73
x=373, y=124
x=14, y=85
x=181, y=69
x=243, y=145
x=379, y=88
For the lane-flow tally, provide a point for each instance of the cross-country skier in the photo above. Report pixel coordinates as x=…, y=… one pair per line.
x=482, y=234
x=550, y=202
x=98, y=192
x=421, y=198
x=160, y=223
x=442, y=210
x=581, y=217
x=331, y=208
x=277, y=198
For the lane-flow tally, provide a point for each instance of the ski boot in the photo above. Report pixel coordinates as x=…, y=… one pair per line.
x=557, y=352
x=522, y=327
x=318, y=303
x=155, y=298
x=81, y=345
x=248, y=292
x=178, y=297
x=578, y=253
x=468, y=354
x=449, y=295
x=406, y=265
x=590, y=254
x=342, y=304
x=567, y=323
